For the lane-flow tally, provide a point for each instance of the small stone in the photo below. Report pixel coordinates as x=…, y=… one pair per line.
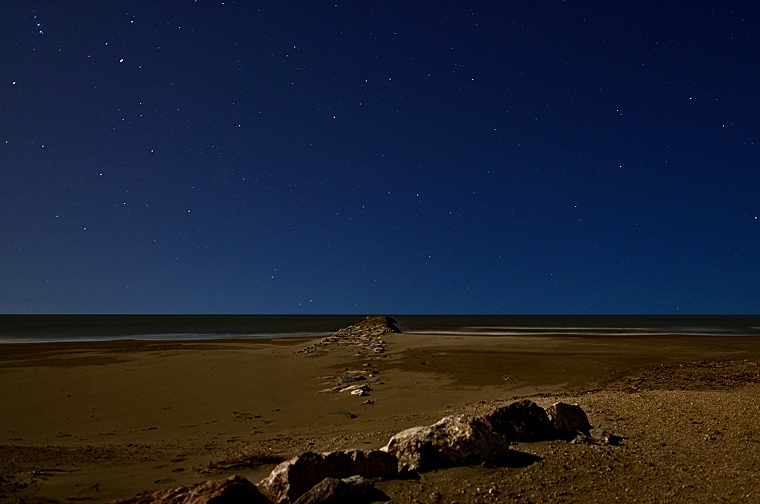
x=598, y=436
x=353, y=388
x=351, y=378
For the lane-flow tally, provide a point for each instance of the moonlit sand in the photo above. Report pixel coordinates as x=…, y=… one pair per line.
x=109, y=420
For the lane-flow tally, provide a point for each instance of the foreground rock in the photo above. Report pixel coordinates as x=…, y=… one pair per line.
x=526, y=422
x=353, y=490
x=456, y=440
x=452, y=441
x=520, y=422
x=465, y=440
x=293, y=478
x=232, y=490
x=568, y=420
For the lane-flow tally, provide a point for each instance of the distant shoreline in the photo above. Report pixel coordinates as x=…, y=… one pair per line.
x=195, y=328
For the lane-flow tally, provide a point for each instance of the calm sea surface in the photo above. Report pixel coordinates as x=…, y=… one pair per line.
x=53, y=328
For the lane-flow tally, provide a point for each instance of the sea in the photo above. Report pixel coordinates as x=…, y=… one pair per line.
x=80, y=328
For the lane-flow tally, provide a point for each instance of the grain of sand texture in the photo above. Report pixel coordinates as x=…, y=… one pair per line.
x=101, y=421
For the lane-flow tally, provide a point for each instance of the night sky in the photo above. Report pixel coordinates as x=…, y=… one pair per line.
x=379, y=157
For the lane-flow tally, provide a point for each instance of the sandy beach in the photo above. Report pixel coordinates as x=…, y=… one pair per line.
x=103, y=421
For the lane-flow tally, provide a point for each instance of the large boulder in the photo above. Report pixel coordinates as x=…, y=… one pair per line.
x=568, y=419
x=521, y=422
x=456, y=440
x=294, y=477
x=233, y=490
x=352, y=490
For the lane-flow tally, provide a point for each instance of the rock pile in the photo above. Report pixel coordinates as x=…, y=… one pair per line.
x=365, y=336
x=346, y=476
x=465, y=440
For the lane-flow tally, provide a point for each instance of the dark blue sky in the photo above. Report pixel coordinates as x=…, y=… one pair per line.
x=379, y=157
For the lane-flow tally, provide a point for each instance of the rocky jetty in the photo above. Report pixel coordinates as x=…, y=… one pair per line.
x=364, y=336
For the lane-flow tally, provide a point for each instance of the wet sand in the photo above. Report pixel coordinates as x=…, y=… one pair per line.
x=103, y=421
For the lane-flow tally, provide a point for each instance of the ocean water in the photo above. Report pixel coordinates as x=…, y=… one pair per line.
x=582, y=325
x=61, y=328
x=58, y=328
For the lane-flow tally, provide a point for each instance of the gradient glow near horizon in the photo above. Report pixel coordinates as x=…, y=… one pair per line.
x=379, y=157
